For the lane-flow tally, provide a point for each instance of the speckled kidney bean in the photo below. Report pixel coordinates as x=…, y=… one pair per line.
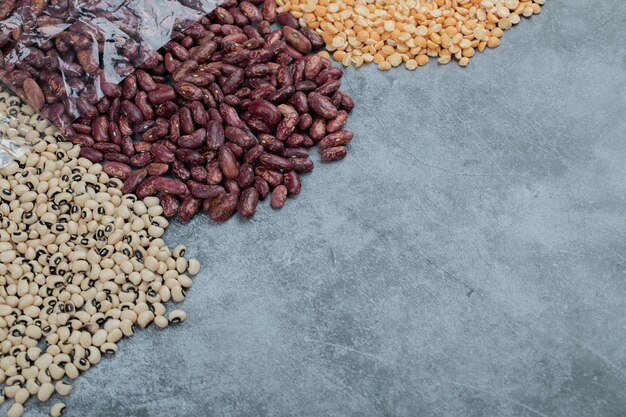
x=246, y=176
x=194, y=140
x=204, y=191
x=287, y=126
x=188, y=208
x=229, y=105
x=92, y=154
x=337, y=123
x=248, y=202
x=228, y=163
x=180, y=170
x=170, y=204
x=117, y=169
x=162, y=154
x=117, y=157
x=279, y=196
x=240, y=137
x=271, y=176
x=334, y=154
x=286, y=19
x=339, y=138
x=141, y=159
x=224, y=208
x=157, y=168
x=133, y=180
x=322, y=105
x=295, y=153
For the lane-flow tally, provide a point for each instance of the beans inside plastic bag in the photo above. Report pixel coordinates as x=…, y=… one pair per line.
x=62, y=55
x=20, y=125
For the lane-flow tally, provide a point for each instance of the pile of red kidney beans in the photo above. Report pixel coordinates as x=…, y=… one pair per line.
x=224, y=115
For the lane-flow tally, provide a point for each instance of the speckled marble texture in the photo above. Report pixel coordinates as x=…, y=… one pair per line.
x=467, y=258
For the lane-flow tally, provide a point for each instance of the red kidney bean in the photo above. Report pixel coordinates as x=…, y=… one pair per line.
x=194, y=140
x=328, y=74
x=339, y=138
x=129, y=87
x=271, y=176
x=189, y=156
x=144, y=106
x=265, y=110
x=133, y=180
x=252, y=155
x=304, y=121
x=162, y=94
x=294, y=140
x=281, y=95
x=214, y=173
x=279, y=196
x=186, y=120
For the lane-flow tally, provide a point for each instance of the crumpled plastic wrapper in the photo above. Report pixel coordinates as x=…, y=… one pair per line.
x=14, y=116
x=58, y=54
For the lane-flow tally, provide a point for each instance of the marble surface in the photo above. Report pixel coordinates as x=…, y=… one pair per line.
x=466, y=258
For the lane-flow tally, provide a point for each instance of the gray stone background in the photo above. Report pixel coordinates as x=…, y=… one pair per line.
x=466, y=259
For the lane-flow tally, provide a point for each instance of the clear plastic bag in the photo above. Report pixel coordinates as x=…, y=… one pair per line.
x=59, y=55
x=16, y=121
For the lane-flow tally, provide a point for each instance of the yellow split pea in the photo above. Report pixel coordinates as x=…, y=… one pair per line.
x=391, y=33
